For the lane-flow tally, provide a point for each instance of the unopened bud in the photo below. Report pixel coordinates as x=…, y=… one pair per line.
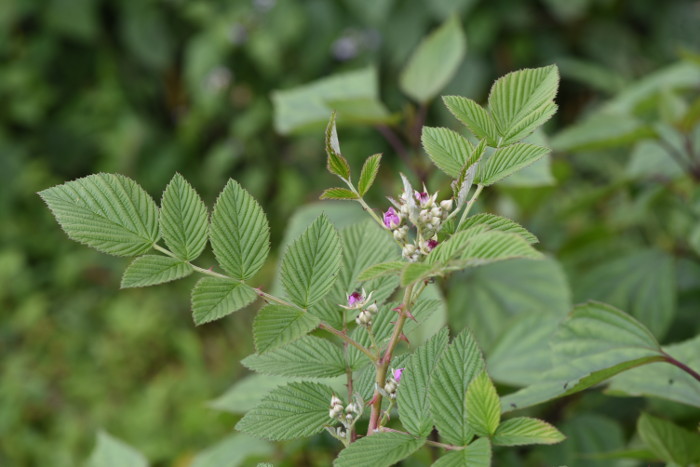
x=373, y=308
x=436, y=211
x=446, y=205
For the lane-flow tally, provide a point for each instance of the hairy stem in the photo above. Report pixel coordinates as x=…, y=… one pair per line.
x=449, y=447
x=682, y=366
x=382, y=365
x=345, y=338
x=348, y=372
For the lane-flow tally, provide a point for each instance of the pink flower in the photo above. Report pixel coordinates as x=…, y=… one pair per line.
x=354, y=298
x=397, y=374
x=391, y=219
x=431, y=244
x=422, y=196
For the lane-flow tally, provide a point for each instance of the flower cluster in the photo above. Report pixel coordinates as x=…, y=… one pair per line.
x=425, y=213
x=392, y=384
x=347, y=415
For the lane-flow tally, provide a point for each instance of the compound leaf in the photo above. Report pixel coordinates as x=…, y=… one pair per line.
x=311, y=263
x=368, y=173
x=184, y=220
x=214, y=298
x=447, y=149
x=309, y=356
x=475, y=117
x=240, y=234
x=154, y=269
x=296, y=410
x=379, y=450
x=108, y=212
x=508, y=160
x=477, y=454
x=525, y=430
x=483, y=405
x=277, y=325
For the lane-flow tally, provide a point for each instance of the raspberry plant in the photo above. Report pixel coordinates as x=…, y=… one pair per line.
x=351, y=297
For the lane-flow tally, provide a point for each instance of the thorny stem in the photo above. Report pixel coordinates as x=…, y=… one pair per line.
x=382, y=364
x=271, y=298
x=469, y=205
x=449, y=447
x=682, y=366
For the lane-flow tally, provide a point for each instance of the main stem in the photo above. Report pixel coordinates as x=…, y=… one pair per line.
x=382, y=365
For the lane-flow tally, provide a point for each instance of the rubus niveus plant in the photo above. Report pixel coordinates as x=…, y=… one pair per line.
x=352, y=297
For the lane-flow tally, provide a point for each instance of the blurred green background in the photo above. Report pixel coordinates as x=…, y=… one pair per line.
x=147, y=88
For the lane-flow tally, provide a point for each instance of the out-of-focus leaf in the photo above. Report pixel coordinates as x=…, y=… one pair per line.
x=308, y=106
x=378, y=450
x=112, y=452
x=232, y=451
x=668, y=441
x=434, y=62
x=649, y=160
x=602, y=130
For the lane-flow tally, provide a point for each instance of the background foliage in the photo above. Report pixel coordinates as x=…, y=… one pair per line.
x=203, y=88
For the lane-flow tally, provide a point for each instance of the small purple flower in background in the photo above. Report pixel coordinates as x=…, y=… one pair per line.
x=392, y=219
x=431, y=244
x=355, y=298
x=397, y=374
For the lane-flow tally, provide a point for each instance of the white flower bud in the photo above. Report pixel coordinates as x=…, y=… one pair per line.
x=436, y=212
x=351, y=408
x=409, y=249
x=336, y=401
x=435, y=221
x=446, y=205
x=372, y=309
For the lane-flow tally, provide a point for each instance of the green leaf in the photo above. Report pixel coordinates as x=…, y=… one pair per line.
x=354, y=94
x=311, y=263
x=475, y=117
x=214, y=298
x=489, y=298
x=369, y=173
x=382, y=269
x=240, y=234
x=184, y=221
x=523, y=100
x=664, y=380
x=477, y=454
x=412, y=398
x=454, y=246
x=233, y=451
x=448, y=150
x=434, y=62
x=277, y=325
x=108, y=212
x=489, y=247
x=338, y=193
x=336, y=163
x=594, y=343
x=483, y=405
x=460, y=363
x=378, y=450
x=154, y=269
x=520, y=431
x=112, y=452
x=668, y=441
x=642, y=283
x=508, y=160
x=296, y=410
x=502, y=224
x=247, y=392
x=309, y=356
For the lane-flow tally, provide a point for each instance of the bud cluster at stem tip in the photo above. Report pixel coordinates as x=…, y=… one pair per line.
x=425, y=213
x=392, y=383
x=359, y=301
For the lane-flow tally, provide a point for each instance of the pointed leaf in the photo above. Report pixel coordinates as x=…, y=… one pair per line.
x=277, y=325
x=508, y=160
x=595, y=342
x=296, y=410
x=454, y=246
x=338, y=193
x=309, y=356
x=668, y=441
x=311, y=263
x=460, y=363
x=412, y=398
x=336, y=163
x=434, y=62
x=416, y=272
x=153, y=269
x=369, y=173
x=108, y=212
x=477, y=454
x=483, y=405
x=520, y=431
x=381, y=270
x=475, y=117
x=240, y=234
x=490, y=247
x=448, y=150
x=519, y=95
x=214, y=298
x=112, y=452
x=528, y=125
x=379, y=450
x=184, y=221
x=502, y=224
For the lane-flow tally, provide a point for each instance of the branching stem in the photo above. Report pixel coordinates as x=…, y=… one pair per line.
x=469, y=205
x=449, y=447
